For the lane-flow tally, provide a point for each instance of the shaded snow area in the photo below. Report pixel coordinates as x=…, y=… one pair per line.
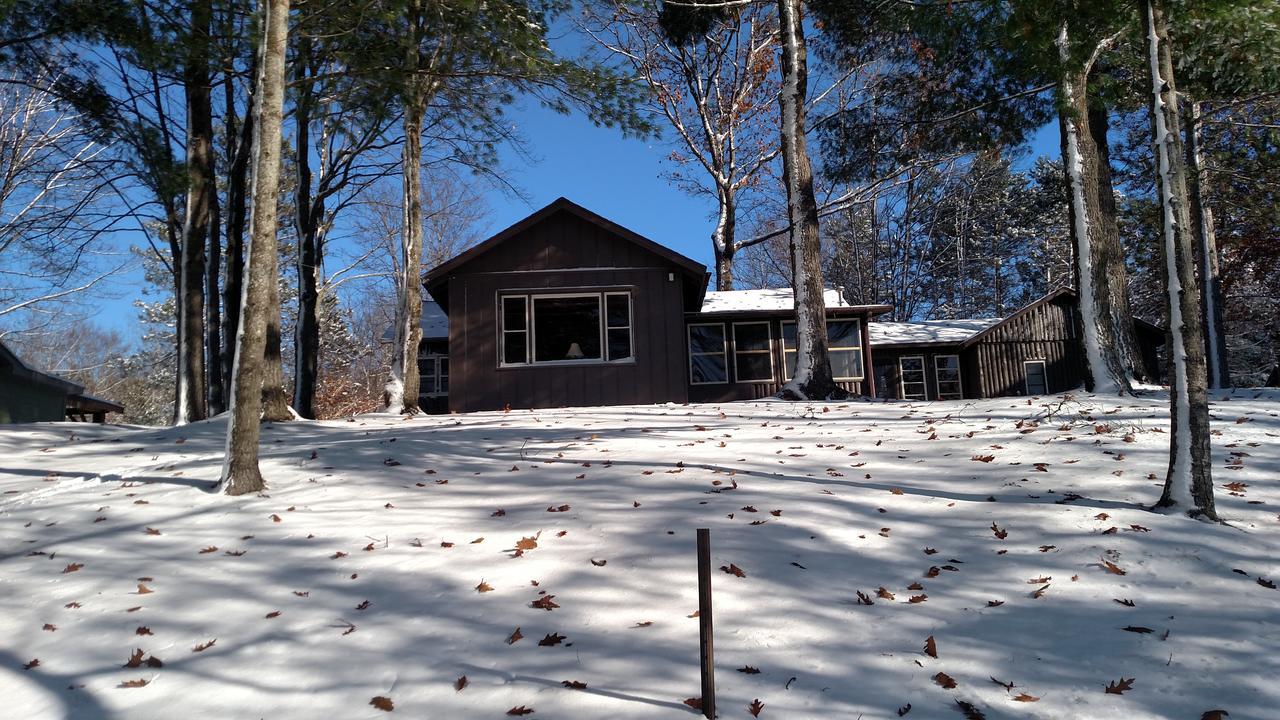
x=767, y=299
x=511, y=554
x=927, y=331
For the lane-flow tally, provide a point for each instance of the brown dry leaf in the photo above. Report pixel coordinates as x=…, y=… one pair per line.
x=272, y=614
x=733, y=570
x=863, y=599
x=515, y=637
x=1040, y=580
x=904, y=710
x=599, y=563
x=551, y=640
x=755, y=707
x=520, y=710
x=558, y=509
x=214, y=549
x=35, y=662
x=460, y=683
x=1102, y=516
x=1119, y=687
x=695, y=703
x=1112, y=567
x=994, y=603
x=204, y=646
x=970, y=711
x=574, y=684
x=930, y=647
x=749, y=670
x=1137, y=629
x=72, y=568
x=545, y=603
x=945, y=680
x=144, y=590
x=152, y=531
x=1023, y=697
x=382, y=703
x=527, y=543
x=477, y=541
x=484, y=587
x=918, y=598
x=915, y=586
x=50, y=627
x=140, y=682
x=275, y=518
x=143, y=630
x=999, y=532
x=983, y=458
x=884, y=594
x=1040, y=593
x=135, y=659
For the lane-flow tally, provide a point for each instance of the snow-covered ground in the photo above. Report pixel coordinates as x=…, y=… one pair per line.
x=382, y=564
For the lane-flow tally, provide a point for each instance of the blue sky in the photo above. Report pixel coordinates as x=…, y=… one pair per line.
x=621, y=179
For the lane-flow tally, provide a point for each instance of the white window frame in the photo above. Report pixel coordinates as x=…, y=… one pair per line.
x=435, y=391
x=530, y=331
x=1044, y=372
x=937, y=382
x=861, y=366
x=604, y=320
x=768, y=329
x=902, y=379
x=724, y=351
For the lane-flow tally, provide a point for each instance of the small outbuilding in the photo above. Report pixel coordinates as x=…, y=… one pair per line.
x=29, y=395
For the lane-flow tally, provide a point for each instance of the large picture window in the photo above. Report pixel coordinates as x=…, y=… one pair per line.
x=565, y=328
x=707, y=354
x=946, y=370
x=844, y=347
x=752, y=352
x=911, y=377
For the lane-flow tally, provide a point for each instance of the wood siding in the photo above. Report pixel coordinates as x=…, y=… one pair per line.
x=1047, y=331
x=565, y=253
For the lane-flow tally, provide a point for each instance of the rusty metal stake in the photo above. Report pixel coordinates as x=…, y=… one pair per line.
x=705, y=645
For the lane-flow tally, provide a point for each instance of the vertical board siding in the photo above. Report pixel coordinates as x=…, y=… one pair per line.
x=1047, y=332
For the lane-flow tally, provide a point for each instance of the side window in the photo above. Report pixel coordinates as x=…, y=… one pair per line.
x=946, y=370
x=618, y=325
x=752, y=352
x=911, y=372
x=1037, y=378
x=515, y=330
x=707, y=355
x=844, y=341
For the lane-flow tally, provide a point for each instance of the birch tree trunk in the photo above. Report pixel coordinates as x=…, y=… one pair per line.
x=307, y=220
x=1206, y=244
x=240, y=472
x=812, y=378
x=402, y=387
x=1188, y=485
x=201, y=190
x=1095, y=238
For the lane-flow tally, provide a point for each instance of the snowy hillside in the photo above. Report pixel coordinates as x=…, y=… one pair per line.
x=471, y=566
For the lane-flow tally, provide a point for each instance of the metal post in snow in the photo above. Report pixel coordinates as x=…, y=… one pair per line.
x=705, y=645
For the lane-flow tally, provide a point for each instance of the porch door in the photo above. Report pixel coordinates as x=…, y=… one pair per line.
x=886, y=379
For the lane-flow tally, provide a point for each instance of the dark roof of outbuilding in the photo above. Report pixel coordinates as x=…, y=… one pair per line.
x=11, y=362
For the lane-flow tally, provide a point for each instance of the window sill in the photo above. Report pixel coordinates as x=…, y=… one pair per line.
x=567, y=363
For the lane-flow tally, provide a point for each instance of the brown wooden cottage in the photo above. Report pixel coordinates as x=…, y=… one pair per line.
x=566, y=308
x=29, y=395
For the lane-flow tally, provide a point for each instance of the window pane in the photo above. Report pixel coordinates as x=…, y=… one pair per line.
x=706, y=338
x=911, y=364
x=753, y=366
x=566, y=328
x=843, y=333
x=789, y=335
x=846, y=363
x=1036, y=383
x=444, y=367
x=708, y=368
x=618, y=309
x=515, y=346
x=751, y=336
x=513, y=316
x=619, y=344
x=789, y=359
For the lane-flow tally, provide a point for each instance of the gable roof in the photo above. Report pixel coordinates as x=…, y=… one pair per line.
x=434, y=323
x=1048, y=298
x=438, y=273
x=20, y=369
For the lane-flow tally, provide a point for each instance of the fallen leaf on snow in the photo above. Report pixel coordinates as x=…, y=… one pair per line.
x=383, y=703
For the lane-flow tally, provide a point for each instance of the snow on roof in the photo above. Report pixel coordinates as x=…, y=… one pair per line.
x=435, y=323
x=767, y=299
x=927, y=331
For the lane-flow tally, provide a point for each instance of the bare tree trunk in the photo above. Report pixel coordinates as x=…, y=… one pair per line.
x=1188, y=486
x=213, y=312
x=275, y=401
x=308, y=218
x=238, y=155
x=1109, y=254
x=812, y=378
x=1090, y=230
x=1206, y=243
x=723, y=239
x=201, y=190
x=401, y=394
x=240, y=472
